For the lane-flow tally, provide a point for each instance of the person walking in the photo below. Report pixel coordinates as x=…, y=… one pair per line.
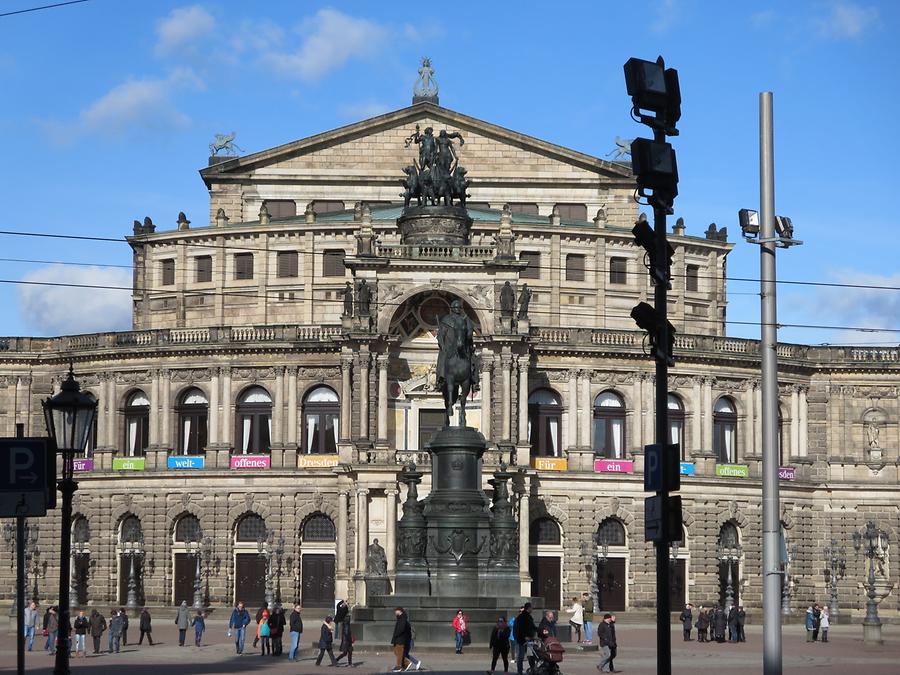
x=614, y=647
x=605, y=637
x=44, y=622
x=326, y=640
x=499, y=645
x=98, y=627
x=732, y=624
x=577, y=619
x=276, y=630
x=401, y=639
x=346, y=645
x=265, y=632
x=741, y=619
x=113, y=613
x=295, y=623
x=144, y=624
x=52, y=630
x=824, y=623
x=587, y=604
x=460, y=628
x=524, y=631
x=817, y=621
x=686, y=618
x=199, y=624
x=124, y=616
x=702, y=624
x=82, y=626
x=32, y=621
x=182, y=620
x=810, y=623
x=238, y=622
x=115, y=632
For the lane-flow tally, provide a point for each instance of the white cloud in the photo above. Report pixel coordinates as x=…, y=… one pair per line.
x=667, y=14
x=363, y=109
x=62, y=310
x=257, y=35
x=846, y=20
x=763, y=18
x=330, y=39
x=182, y=28
x=862, y=307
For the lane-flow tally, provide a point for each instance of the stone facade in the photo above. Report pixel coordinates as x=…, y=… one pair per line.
x=309, y=414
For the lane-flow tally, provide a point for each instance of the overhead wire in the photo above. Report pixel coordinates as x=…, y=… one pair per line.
x=37, y=9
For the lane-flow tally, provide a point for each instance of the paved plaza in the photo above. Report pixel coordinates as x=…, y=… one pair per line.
x=844, y=651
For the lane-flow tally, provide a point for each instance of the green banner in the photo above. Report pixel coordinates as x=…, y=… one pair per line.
x=733, y=470
x=128, y=464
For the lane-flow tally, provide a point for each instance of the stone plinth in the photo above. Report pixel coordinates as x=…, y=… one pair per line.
x=435, y=225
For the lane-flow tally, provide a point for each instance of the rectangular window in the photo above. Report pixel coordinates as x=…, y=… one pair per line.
x=287, y=266
x=281, y=208
x=692, y=277
x=333, y=263
x=574, y=267
x=327, y=206
x=524, y=208
x=168, y=272
x=572, y=211
x=243, y=266
x=430, y=421
x=204, y=269
x=533, y=271
x=618, y=270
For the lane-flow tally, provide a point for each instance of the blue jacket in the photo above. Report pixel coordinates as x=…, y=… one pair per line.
x=810, y=619
x=239, y=618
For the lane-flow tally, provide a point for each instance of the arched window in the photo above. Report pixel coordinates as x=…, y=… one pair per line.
x=611, y=533
x=188, y=529
x=193, y=411
x=250, y=529
x=321, y=415
x=725, y=431
x=92, y=437
x=137, y=423
x=609, y=426
x=545, y=531
x=728, y=536
x=676, y=422
x=81, y=531
x=780, y=439
x=544, y=415
x=130, y=531
x=319, y=528
x=254, y=421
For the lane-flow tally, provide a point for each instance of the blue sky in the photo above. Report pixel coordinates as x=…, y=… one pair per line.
x=110, y=106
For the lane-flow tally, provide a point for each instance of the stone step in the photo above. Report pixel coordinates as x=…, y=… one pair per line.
x=433, y=615
x=463, y=602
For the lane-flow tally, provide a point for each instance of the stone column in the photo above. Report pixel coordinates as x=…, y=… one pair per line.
x=587, y=408
x=166, y=408
x=696, y=418
x=572, y=406
x=795, y=421
x=278, y=408
x=486, y=366
x=524, y=531
x=505, y=365
x=342, y=531
x=523, y=399
x=804, y=422
x=707, y=415
x=227, y=408
x=292, y=406
x=750, y=425
x=362, y=528
x=364, y=395
x=636, y=437
x=110, y=393
x=382, y=361
x=213, y=421
x=346, y=396
x=758, y=405
x=390, y=544
x=153, y=434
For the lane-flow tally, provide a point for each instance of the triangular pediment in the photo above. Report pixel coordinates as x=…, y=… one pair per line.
x=376, y=147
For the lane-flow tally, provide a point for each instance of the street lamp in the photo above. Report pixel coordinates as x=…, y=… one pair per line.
x=207, y=563
x=69, y=417
x=194, y=548
x=872, y=544
x=80, y=550
x=32, y=532
x=264, y=544
x=836, y=558
x=729, y=552
x=279, y=560
x=132, y=547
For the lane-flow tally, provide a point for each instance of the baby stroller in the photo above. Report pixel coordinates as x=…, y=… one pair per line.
x=548, y=654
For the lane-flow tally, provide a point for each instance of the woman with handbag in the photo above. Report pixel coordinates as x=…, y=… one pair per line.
x=461, y=628
x=347, y=640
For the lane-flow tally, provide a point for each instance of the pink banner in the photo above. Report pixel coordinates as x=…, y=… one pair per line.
x=613, y=466
x=251, y=461
x=786, y=472
x=83, y=464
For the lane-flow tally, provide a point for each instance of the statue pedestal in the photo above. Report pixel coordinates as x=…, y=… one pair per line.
x=524, y=325
x=872, y=633
x=435, y=226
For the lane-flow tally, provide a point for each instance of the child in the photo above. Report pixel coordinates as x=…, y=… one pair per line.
x=199, y=624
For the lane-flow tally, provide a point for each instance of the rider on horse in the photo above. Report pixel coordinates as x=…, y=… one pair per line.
x=455, y=344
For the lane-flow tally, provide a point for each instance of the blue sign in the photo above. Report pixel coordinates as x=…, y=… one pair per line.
x=688, y=469
x=185, y=462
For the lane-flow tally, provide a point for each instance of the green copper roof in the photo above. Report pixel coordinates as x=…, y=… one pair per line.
x=394, y=211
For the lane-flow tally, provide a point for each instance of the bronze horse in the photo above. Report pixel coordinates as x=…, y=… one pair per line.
x=458, y=380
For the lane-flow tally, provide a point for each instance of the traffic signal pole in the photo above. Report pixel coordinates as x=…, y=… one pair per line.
x=660, y=301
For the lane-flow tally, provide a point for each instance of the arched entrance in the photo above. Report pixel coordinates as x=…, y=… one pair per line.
x=545, y=561
x=317, y=561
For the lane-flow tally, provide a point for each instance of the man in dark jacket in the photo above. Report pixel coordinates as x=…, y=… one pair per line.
x=606, y=638
x=240, y=617
x=720, y=621
x=326, y=640
x=523, y=630
x=547, y=626
x=115, y=632
x=686, y=618
x=124, y=625
x=145, y=627
x=295, y=624
x=98, y=626
x=732, y=624
x=702, y=624
x=401, y=639
x=741, y=618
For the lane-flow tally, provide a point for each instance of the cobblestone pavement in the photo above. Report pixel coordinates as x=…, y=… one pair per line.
x=844, y=651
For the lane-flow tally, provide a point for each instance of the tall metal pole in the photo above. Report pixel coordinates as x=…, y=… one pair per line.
x=67, y=486
x=20, y=594
x=772, y=662
x=660, y=301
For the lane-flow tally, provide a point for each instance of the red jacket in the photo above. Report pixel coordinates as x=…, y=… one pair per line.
x=461, y=623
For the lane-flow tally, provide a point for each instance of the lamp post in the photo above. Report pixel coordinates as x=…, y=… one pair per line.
x=194, y=548
x=80, y=548
x=279, y=560
x=602, y=560
x=207, y=563
x=729, y=553
x=69, y=417
x=872, y=544
x=264, y=544
x=674, y=550
x=837, y=564
x=32, y=532
x=133, y=548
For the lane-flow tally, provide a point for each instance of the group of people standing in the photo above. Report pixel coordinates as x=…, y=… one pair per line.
x=714, y=624
x=818, y=618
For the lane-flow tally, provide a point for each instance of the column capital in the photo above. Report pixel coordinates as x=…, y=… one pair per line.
x=584, y=373
x=506, y=361
x=293, y=371
x=279, y=371
x=487, y=364
x=391, y=492
x=524, y=363
x=362, y=492
x=347, y=361
x=382, y=360
x=344, y=493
